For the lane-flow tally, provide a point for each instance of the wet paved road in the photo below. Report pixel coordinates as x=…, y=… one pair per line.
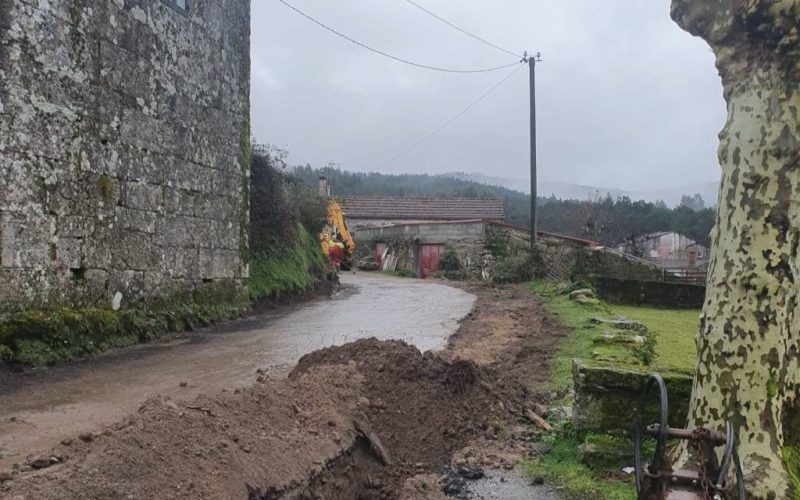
x=38, y=409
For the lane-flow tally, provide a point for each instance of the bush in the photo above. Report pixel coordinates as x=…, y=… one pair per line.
x=271, y=215
x=308, y=208
x=516, y=268
x=448, y=261
x=285, y=218
x=293, y=267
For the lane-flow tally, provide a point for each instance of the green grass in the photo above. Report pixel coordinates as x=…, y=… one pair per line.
x=674, y=331
x=791, y=457
x=290, y=268
x=562, y=466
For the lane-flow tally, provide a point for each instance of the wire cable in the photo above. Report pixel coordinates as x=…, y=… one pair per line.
x=476, y=37
x=399, y=59
x=454, y=118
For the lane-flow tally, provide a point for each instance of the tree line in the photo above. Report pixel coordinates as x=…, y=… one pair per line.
x=611, y=221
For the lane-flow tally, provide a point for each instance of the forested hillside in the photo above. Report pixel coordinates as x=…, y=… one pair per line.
x=610, y=221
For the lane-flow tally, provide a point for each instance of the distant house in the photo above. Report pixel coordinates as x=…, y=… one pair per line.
x=378, y=211
x=671, y=250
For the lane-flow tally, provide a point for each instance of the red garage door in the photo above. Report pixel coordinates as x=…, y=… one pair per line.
x=429, y=259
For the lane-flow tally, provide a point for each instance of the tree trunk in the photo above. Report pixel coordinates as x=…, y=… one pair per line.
x=749, y=337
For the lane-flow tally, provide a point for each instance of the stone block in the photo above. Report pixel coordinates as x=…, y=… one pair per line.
x=74, y=226
x=68, y=252
x=96, y=254
x=141, y=196
x=96, y=280
x=135, y=251
x=607, y=396
x=219, y=264
x=130, y=283
x=619, y=323
x=24, y=240
x=136, y=220
x=178, y=202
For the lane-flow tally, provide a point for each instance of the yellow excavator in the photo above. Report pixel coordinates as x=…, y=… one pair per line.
x=336, y=229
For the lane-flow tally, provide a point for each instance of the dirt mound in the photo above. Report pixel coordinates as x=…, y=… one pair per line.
x=421, y=406
x=261, y=441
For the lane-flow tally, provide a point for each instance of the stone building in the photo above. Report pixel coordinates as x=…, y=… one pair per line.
x=415, y=247
x=124, y=148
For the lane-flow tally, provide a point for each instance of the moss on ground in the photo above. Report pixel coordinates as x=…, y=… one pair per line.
x=562, y=465
x=46, y=337
x=401, y=273
x=50, y=336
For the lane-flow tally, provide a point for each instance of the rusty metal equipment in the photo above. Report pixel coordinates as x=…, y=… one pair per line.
x=657, y=480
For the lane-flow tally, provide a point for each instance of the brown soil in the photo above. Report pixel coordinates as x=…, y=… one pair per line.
x=298, y=437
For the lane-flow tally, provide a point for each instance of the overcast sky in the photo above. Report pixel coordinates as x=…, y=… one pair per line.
x=625, y=98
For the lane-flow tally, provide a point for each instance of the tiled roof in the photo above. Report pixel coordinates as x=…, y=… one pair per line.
x=358, y=207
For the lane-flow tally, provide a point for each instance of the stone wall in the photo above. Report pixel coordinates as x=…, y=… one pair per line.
x=607, y=396
x=650, y=293
x=124, y=148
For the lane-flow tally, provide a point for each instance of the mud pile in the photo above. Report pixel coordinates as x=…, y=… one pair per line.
x=421, y=406
x=261, y=441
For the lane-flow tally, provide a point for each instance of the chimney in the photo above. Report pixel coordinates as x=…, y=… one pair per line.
x=323, y=188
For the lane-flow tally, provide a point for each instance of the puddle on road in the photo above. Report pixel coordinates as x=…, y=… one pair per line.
x=507, y=485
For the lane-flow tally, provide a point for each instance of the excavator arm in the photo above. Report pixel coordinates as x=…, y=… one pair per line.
x=337, y=224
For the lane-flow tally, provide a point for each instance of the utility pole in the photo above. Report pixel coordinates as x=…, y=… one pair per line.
x=532, y=60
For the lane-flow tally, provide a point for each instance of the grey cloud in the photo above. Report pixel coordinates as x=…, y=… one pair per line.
x=625, y=98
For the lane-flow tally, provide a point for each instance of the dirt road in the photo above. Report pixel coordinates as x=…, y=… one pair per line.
x=38, y=409
x=371, y=419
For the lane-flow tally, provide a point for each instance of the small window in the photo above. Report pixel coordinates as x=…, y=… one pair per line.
x=179, y=5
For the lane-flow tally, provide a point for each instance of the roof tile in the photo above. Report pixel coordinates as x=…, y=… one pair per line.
x=378, y=207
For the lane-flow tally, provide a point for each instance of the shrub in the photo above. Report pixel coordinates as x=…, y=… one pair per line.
x=295, y=266
x=448, y=261
x=271, y=216
x=308, y=208
x=516, y=268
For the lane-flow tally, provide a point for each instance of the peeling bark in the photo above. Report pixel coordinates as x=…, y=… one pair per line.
x=749, y=338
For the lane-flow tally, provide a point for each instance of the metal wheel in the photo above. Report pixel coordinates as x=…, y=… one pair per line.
x=661, y=440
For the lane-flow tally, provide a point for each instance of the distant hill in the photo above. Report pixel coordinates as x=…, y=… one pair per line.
x=569, y=191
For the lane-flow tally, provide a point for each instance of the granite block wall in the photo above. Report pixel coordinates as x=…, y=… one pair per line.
x=124, y=148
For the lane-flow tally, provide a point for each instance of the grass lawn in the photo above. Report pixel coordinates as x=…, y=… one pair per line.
x=674, y=331
x=575, y=479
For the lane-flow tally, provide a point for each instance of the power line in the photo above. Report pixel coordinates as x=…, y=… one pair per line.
x=454, y=118
x=406, y=61
x=476, y=37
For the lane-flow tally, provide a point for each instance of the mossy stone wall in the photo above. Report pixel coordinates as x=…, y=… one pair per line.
x=122, y=125
x=650, y=293
x=607, y=396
